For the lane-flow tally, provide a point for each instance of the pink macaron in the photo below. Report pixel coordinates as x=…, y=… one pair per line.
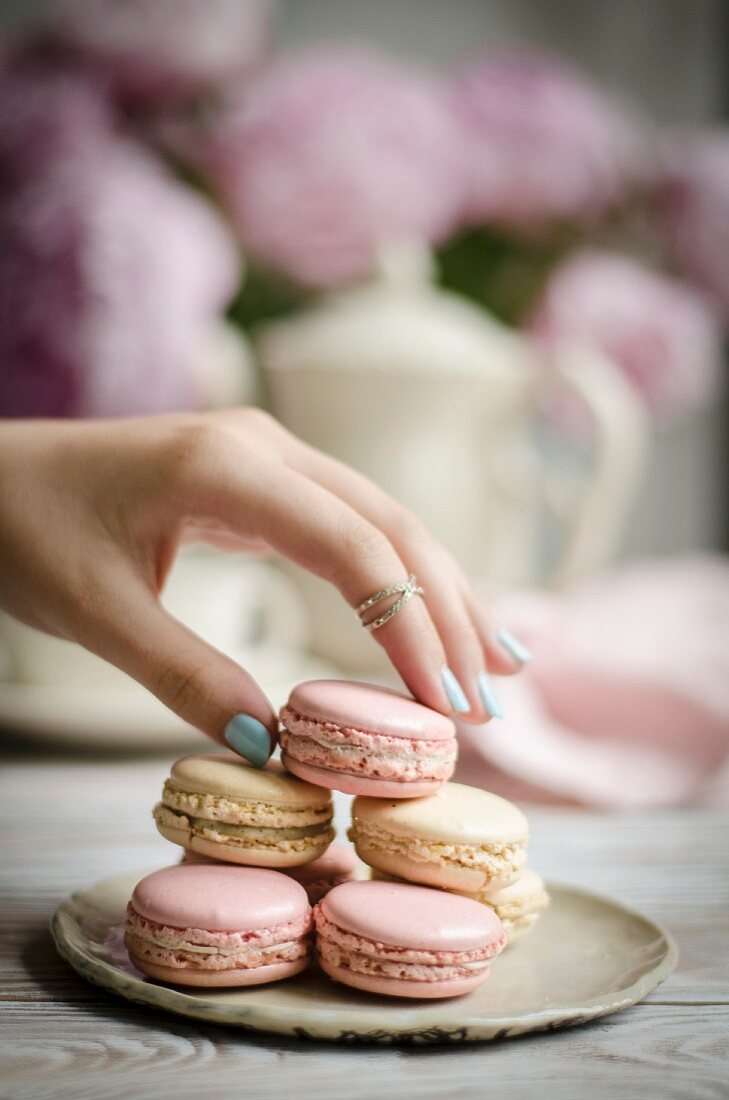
x=337, y=865
x=366, y=740
x=405, y=941
x=218, y=925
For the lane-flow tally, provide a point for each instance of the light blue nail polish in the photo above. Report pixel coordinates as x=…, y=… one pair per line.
x=489, y=698
x=513, y=646
x=454, y=691
x=249, y=738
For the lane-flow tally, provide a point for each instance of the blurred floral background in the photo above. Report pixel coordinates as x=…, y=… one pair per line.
x=510, y=221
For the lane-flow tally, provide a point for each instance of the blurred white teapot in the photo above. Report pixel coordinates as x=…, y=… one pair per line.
x=434, y=400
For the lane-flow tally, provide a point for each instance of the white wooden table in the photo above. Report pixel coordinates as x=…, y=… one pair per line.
x=64, y=824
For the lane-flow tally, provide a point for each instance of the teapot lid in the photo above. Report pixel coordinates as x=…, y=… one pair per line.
x=398, y=321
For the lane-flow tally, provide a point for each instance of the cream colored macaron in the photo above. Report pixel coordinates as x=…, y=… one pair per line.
x=220, y=806
x=460, y=838
x=517, y=905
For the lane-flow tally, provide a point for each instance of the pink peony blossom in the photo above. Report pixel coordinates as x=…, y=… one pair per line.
x=47, y=112
x=329, y=155
x=111, y=277
x=693, y=209
x=165, y=47
x=659, y=331
x=545, y=145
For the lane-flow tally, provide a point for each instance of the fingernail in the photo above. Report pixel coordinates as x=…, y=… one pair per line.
x=454, y=691
x=513, y=646
x=249, y=738
x=489, y=698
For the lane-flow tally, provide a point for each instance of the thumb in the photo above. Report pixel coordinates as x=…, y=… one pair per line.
x=191, y=677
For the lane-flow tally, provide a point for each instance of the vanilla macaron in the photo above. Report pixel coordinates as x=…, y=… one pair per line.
x=517, y=905
x=460, y=838
x=220, y=806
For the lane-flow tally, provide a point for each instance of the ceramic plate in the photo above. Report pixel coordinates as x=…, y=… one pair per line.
x=586, y=957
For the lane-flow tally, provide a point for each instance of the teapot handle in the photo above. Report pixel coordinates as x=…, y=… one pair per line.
x=594, y=518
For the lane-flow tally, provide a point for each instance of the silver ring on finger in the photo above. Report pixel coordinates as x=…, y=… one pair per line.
x=404, y=591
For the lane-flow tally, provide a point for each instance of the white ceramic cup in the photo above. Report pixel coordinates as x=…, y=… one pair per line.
x=233, y=602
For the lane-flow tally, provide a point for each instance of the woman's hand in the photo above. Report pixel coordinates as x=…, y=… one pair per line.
x=92, y=514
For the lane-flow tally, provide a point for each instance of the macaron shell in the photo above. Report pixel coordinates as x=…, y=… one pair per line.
x=217, y=897
x=442, y=875
x=337, y=865
x=397, y=987
x=337, y=861
x=224, y=773
x=278, y=859
x=260, y=975
x=367, y=707
x=527, y=887
x=239, y=856
x=360, y=784
x=454, y=814
x=516, y=929
x=524, y=902
x=405, y=916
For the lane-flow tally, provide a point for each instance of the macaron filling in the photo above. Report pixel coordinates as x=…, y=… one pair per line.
x=335, y=747
x=291, y=838
x=202, y=949
x=213, y=807
x=495, y=861
x=242, y=823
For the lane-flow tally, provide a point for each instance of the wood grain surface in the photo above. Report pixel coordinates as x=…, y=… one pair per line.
x=64, y=824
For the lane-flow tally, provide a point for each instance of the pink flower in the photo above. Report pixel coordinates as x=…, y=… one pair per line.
x=693, y=209
x=47, y=113
x=161, y=47
x=659, y=331
x=111, y=276
x=331, y=154
x=544, y=144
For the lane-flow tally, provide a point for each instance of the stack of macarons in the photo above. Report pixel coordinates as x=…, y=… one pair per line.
x=258, y=854
x=408, y=822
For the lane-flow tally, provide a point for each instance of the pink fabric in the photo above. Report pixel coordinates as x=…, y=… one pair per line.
x=626, y=703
